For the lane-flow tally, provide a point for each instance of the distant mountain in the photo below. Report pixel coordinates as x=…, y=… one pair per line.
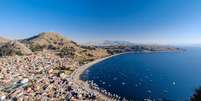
x=109, y=43
x=49, y=40
x=114, y=47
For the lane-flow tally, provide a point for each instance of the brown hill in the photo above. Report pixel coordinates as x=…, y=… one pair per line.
x=63, y=46
x=52, y=41
x=49, y=40
x=14, y=48
x=3, y=40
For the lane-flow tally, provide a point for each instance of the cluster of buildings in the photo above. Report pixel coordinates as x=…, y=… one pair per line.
x=43, y=76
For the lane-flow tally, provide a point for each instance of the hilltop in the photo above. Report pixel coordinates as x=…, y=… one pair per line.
x=48, y=40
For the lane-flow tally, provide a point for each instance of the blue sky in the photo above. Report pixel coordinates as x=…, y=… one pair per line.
x=140, y=21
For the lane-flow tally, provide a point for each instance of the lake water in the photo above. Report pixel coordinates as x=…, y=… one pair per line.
x=137, y=76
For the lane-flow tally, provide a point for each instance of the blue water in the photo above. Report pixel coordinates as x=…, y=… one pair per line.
x=137, y=76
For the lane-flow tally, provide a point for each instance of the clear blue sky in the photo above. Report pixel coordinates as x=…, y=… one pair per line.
x=141, y=21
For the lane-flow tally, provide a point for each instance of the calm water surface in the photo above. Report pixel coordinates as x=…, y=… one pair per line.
x=137, y=76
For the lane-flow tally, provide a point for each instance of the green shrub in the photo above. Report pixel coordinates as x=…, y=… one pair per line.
x=37, y=48
x=67, y=51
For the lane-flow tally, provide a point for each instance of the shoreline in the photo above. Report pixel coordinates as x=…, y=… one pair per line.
x=75, y=77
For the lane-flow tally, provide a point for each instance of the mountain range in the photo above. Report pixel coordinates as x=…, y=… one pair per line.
x=109, y=43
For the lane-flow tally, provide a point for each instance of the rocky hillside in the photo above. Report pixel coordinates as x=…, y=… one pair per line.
x=48, y=40
x=54, y=42
x=14, y=48
x=3, y=40
x=63, y=46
